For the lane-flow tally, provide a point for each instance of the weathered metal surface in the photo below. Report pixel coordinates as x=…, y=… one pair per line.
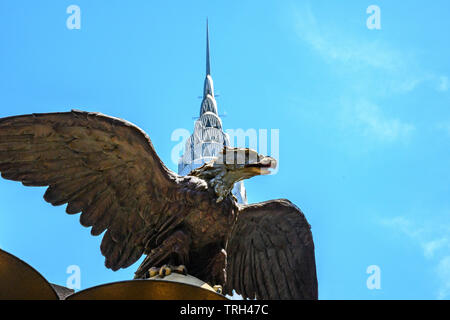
x=19, y=281
x=186, y=279
x=164, y=289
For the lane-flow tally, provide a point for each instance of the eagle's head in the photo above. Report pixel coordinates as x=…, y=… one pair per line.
x=233, y=165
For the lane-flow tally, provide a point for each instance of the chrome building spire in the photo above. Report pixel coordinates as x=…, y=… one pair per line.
x=208, y=138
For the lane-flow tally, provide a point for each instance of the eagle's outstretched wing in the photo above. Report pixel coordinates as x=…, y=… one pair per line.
x=101, y=166
x=270, y=253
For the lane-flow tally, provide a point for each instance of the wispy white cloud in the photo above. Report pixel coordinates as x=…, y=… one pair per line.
x=403, y=225
x=334, y=46
x=431, y=237
x=435, y=243
x=375, y=123
x=443, y=84
x=364, y=56
x=375, y=71
x=430, y=247
x=367, y=59
x=369, y=120
x=443, y=272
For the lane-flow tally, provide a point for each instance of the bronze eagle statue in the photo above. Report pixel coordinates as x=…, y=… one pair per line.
x=107, y=169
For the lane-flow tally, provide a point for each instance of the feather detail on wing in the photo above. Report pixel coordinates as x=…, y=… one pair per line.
x=101, y=166
x=271, y=253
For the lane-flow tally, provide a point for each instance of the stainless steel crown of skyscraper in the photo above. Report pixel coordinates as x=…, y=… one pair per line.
x=208, y=138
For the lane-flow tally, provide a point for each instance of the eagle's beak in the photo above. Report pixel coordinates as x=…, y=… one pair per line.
x=262, y=167
x=268, y=163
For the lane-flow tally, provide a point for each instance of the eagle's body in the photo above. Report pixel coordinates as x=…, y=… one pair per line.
x=107, y=169
x=198, y=237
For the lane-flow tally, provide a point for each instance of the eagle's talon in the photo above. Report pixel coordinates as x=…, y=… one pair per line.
x=165, y=270
x=181, y=269
x=153, y=272
x=218, y=289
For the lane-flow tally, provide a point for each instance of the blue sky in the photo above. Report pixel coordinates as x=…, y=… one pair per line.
x=364, y=120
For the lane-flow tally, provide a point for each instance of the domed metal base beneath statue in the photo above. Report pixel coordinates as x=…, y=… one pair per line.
x=19, y=281
x=172, y=287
